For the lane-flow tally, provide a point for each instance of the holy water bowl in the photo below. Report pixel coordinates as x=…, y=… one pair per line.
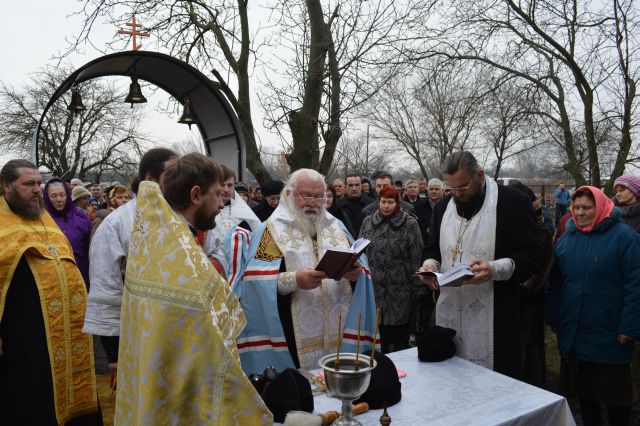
x=347, y=383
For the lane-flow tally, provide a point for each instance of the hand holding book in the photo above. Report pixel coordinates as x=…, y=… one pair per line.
x=454, y=277
x=338, y=262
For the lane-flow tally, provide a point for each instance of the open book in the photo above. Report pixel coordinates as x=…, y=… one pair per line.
x=337, y=262
x=452, y=278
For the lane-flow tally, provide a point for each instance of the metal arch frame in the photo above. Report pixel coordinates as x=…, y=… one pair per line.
x=218, y=122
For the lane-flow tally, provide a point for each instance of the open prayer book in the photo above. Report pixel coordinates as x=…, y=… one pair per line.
x=452, y=278
x=336, y=262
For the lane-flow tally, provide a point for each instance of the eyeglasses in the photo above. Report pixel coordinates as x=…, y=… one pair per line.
x=460, y=188
x=313, y=200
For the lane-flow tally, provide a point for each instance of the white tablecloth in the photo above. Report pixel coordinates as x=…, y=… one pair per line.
x=458, y=392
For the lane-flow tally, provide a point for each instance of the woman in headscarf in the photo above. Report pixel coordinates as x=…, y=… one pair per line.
x=117, y=196
x=627, y=190
x=73, y=222
x=594, y=306
x=394, y=256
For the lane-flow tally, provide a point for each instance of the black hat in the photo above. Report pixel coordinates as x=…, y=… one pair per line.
x=272, y=187
x=241, y=188
x=384, y=387
x=289, y=391
x=436, y=344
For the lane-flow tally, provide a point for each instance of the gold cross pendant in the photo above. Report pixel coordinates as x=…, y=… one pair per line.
x=455, y=252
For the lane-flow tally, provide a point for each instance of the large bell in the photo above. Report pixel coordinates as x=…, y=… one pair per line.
x=135, y=95
x=76, y=106
x=187, y=114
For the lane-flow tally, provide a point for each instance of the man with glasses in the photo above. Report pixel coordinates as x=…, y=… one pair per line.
x=293, y=310
x=492, y=229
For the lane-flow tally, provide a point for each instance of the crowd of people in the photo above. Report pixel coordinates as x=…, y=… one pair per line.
x=193, y=280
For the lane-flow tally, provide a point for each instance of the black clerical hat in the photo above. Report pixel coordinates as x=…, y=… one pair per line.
x=384, y=387
x=436, y=344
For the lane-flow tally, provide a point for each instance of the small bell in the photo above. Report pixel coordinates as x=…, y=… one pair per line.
x=76, y=106
x=187, y=114
x=135, y=95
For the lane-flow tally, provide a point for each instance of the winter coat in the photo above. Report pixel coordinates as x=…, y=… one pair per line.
x=75, y=225
x=594, y=292
x=631, y=215
x=394, y=255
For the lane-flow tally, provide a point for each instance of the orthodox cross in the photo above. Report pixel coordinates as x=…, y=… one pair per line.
x=134, y=32
x=331, y=235
x=455, y=252
x=293, y=236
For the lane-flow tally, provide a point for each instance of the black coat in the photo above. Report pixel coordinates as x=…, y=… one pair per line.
x=423, y=212
x=517, y=239
x=352, y=209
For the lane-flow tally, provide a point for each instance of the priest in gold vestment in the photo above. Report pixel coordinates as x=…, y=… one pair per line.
x=46, y=362
x=178, y=363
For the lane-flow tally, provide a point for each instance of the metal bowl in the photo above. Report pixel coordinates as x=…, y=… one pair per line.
x=347, y=383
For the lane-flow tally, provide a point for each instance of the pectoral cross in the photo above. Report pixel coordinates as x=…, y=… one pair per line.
x=455, y=252
x=52, y=250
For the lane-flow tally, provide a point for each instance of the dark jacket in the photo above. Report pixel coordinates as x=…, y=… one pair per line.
x=373, y=207
x=394, y=255
x=263, y=210
x=594, y=291
x=352, y=209
x=631, y=215
x=423, y=212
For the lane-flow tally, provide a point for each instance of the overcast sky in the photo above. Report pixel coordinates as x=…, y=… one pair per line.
x=33, y=32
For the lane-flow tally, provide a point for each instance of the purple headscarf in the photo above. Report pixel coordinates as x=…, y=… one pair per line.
x=74, y=224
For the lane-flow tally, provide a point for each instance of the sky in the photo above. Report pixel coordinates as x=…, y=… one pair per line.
x=33, y=32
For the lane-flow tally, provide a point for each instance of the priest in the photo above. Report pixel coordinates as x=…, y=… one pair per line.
x=178, y=362
x=293, y=310
x=46, y=362
x=491, y=228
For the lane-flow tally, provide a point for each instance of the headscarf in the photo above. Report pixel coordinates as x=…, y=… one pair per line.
x=604, y=207
x=390, y=192
x=68, y=207
x=632, y=183
x=111, y=196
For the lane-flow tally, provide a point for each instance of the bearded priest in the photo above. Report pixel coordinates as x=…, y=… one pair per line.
x=293, y=310
x=178, y=362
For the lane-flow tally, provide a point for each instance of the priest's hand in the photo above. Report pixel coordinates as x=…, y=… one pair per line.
x=354, y=273
x=432, y=283
x=481, y=270
x=309, y=278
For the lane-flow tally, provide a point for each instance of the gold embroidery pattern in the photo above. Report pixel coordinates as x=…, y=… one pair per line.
x=267, y=248
x=55, y=306
x=77, y=299
x=79, y=347
x=292, y=237
x=330, y=234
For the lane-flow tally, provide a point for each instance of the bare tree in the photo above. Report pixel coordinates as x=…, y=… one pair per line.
x=333, y=61
x=358, y=155
x=559, y=48
x=430, y=116
x=103, y=138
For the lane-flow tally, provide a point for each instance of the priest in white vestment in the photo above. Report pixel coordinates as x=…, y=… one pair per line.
x=491, y=228
x=293, y=310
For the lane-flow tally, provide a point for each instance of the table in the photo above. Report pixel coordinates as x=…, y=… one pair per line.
x=458, y=392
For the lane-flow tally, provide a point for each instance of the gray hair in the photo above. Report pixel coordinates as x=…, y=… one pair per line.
x=435, y=182
x=409, y=182
x=460, y=160
x=310, y=173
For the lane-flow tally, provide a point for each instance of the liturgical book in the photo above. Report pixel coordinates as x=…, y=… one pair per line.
x=452, y=278
x=337, y=262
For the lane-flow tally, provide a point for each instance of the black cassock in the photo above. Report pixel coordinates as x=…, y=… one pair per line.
x=26, y=385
